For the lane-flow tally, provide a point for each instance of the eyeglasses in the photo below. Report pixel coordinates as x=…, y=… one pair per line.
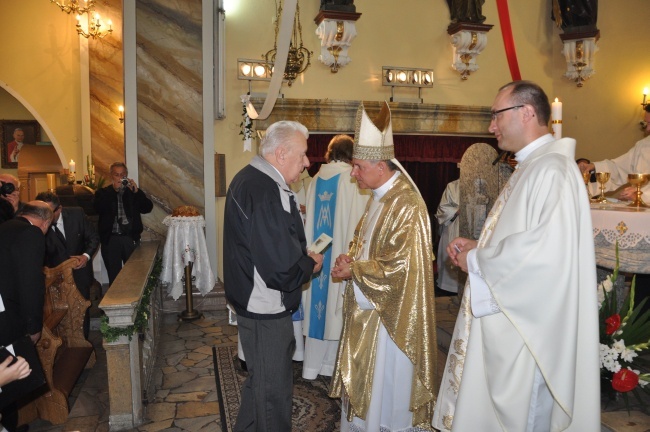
x=497, y=112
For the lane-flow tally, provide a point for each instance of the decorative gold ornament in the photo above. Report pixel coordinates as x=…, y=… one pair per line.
x=297, y=52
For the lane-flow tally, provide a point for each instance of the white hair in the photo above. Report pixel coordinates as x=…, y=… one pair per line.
x=279, y=133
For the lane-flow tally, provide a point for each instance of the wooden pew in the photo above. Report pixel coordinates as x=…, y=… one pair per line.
x=63, y=350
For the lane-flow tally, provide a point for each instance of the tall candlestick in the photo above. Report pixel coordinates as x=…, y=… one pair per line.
x=556, y=117
x=51, y=183
x=72, y=166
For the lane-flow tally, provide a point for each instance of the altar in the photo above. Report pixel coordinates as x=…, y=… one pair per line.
x=630, y=227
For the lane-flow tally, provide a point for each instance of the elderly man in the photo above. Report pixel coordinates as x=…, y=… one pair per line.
x=524, y=352
x=334, y=206
x=386, y=363
x=22, y=291
x=119, y=206
x=72, y=236
x=265, y=265
x=9, y=196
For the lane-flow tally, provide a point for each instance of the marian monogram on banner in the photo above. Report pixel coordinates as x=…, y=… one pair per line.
x=324, y=211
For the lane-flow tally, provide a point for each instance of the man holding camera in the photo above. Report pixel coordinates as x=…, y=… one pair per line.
x=119, y=206
x=9, y=196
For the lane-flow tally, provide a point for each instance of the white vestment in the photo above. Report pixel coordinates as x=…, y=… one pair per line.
x=447, y=217
x=320, y=355
x=636, y=160
x=536, y=256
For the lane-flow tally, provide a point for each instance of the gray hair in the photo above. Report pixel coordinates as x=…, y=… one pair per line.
x=279, y=133
x=42, y=212
x=118, y=165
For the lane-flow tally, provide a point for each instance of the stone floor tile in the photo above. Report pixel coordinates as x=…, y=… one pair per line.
x=188, y=362
x=212, y=396
x=194, y=344
x=168, y=370
x=199, y=384
x=162, y=425
x=177, y=379
x=172, y=347
x=196, y=409
x=200, y=423
x=162, y=393
x=208, y=362
x=173, y=359
x=204, y=350
x=198, y=356
x=186, y=397
x=160, y=411
x=189, y=333
x=229, y=330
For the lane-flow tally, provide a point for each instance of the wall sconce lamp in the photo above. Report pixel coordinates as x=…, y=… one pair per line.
x=95, y=25
x=645, y=96
x=254, y=70
x=406, y=77
x=121, y=110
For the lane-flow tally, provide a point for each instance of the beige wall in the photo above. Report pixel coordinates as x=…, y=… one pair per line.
x=40, y=68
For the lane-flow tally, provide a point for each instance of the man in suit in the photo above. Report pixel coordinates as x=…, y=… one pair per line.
x=22, y=291
x=119, y=206
x=72, y=235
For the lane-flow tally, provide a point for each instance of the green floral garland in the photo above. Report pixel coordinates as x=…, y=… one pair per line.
x=111, y=334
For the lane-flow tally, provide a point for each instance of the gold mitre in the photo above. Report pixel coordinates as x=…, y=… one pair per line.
x=373, y=140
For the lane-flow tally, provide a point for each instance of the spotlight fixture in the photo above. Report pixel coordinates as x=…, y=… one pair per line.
x=120, y=109
x=406, y=77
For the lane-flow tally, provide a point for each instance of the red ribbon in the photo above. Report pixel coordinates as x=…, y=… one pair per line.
x=508, y=41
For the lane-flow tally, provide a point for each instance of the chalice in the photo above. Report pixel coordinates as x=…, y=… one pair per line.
x=586, y=175
x=602, y=177
x=638, y=180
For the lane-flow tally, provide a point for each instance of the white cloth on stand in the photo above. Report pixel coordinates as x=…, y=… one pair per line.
x=185, y=243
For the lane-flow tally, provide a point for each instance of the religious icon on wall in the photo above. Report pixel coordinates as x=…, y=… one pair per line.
x=14, y=134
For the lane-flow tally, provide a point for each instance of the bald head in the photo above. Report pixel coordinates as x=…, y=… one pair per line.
x=38, y=213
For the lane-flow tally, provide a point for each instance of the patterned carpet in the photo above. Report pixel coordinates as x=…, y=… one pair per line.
x=313, y=410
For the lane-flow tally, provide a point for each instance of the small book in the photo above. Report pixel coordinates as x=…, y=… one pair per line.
x=319, y=245
x=25, y=348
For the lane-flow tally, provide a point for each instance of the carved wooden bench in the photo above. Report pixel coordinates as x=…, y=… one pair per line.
x=63, y=350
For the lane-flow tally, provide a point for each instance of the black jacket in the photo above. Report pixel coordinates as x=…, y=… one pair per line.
x=265, y=256
x=22, y=283
x=105, y=205
x=80, y=237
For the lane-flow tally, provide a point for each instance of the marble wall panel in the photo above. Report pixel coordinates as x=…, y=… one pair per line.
x=106, y=70
x=169, y=83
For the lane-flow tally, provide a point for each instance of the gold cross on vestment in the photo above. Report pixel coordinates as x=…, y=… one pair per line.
x=621, y=228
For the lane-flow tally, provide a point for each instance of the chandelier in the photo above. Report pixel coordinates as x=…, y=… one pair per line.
x=97, y=29
x=297, y=52
x=74, y=7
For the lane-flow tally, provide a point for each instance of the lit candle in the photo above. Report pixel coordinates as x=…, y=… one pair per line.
x=72, y=166
x=645, y=95
x=51, y=182
x=556, y=117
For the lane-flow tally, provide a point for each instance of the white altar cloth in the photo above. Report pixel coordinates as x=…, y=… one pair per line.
x=186, y=243
x=630, y=226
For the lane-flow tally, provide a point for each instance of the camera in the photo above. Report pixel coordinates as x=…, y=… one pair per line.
x=125, y=181
x=7, y=188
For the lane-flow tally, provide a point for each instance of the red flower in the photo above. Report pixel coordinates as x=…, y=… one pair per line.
x=612, y=324
x=625, y=380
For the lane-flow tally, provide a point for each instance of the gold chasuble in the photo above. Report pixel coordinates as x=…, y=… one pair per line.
x=397, y=278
